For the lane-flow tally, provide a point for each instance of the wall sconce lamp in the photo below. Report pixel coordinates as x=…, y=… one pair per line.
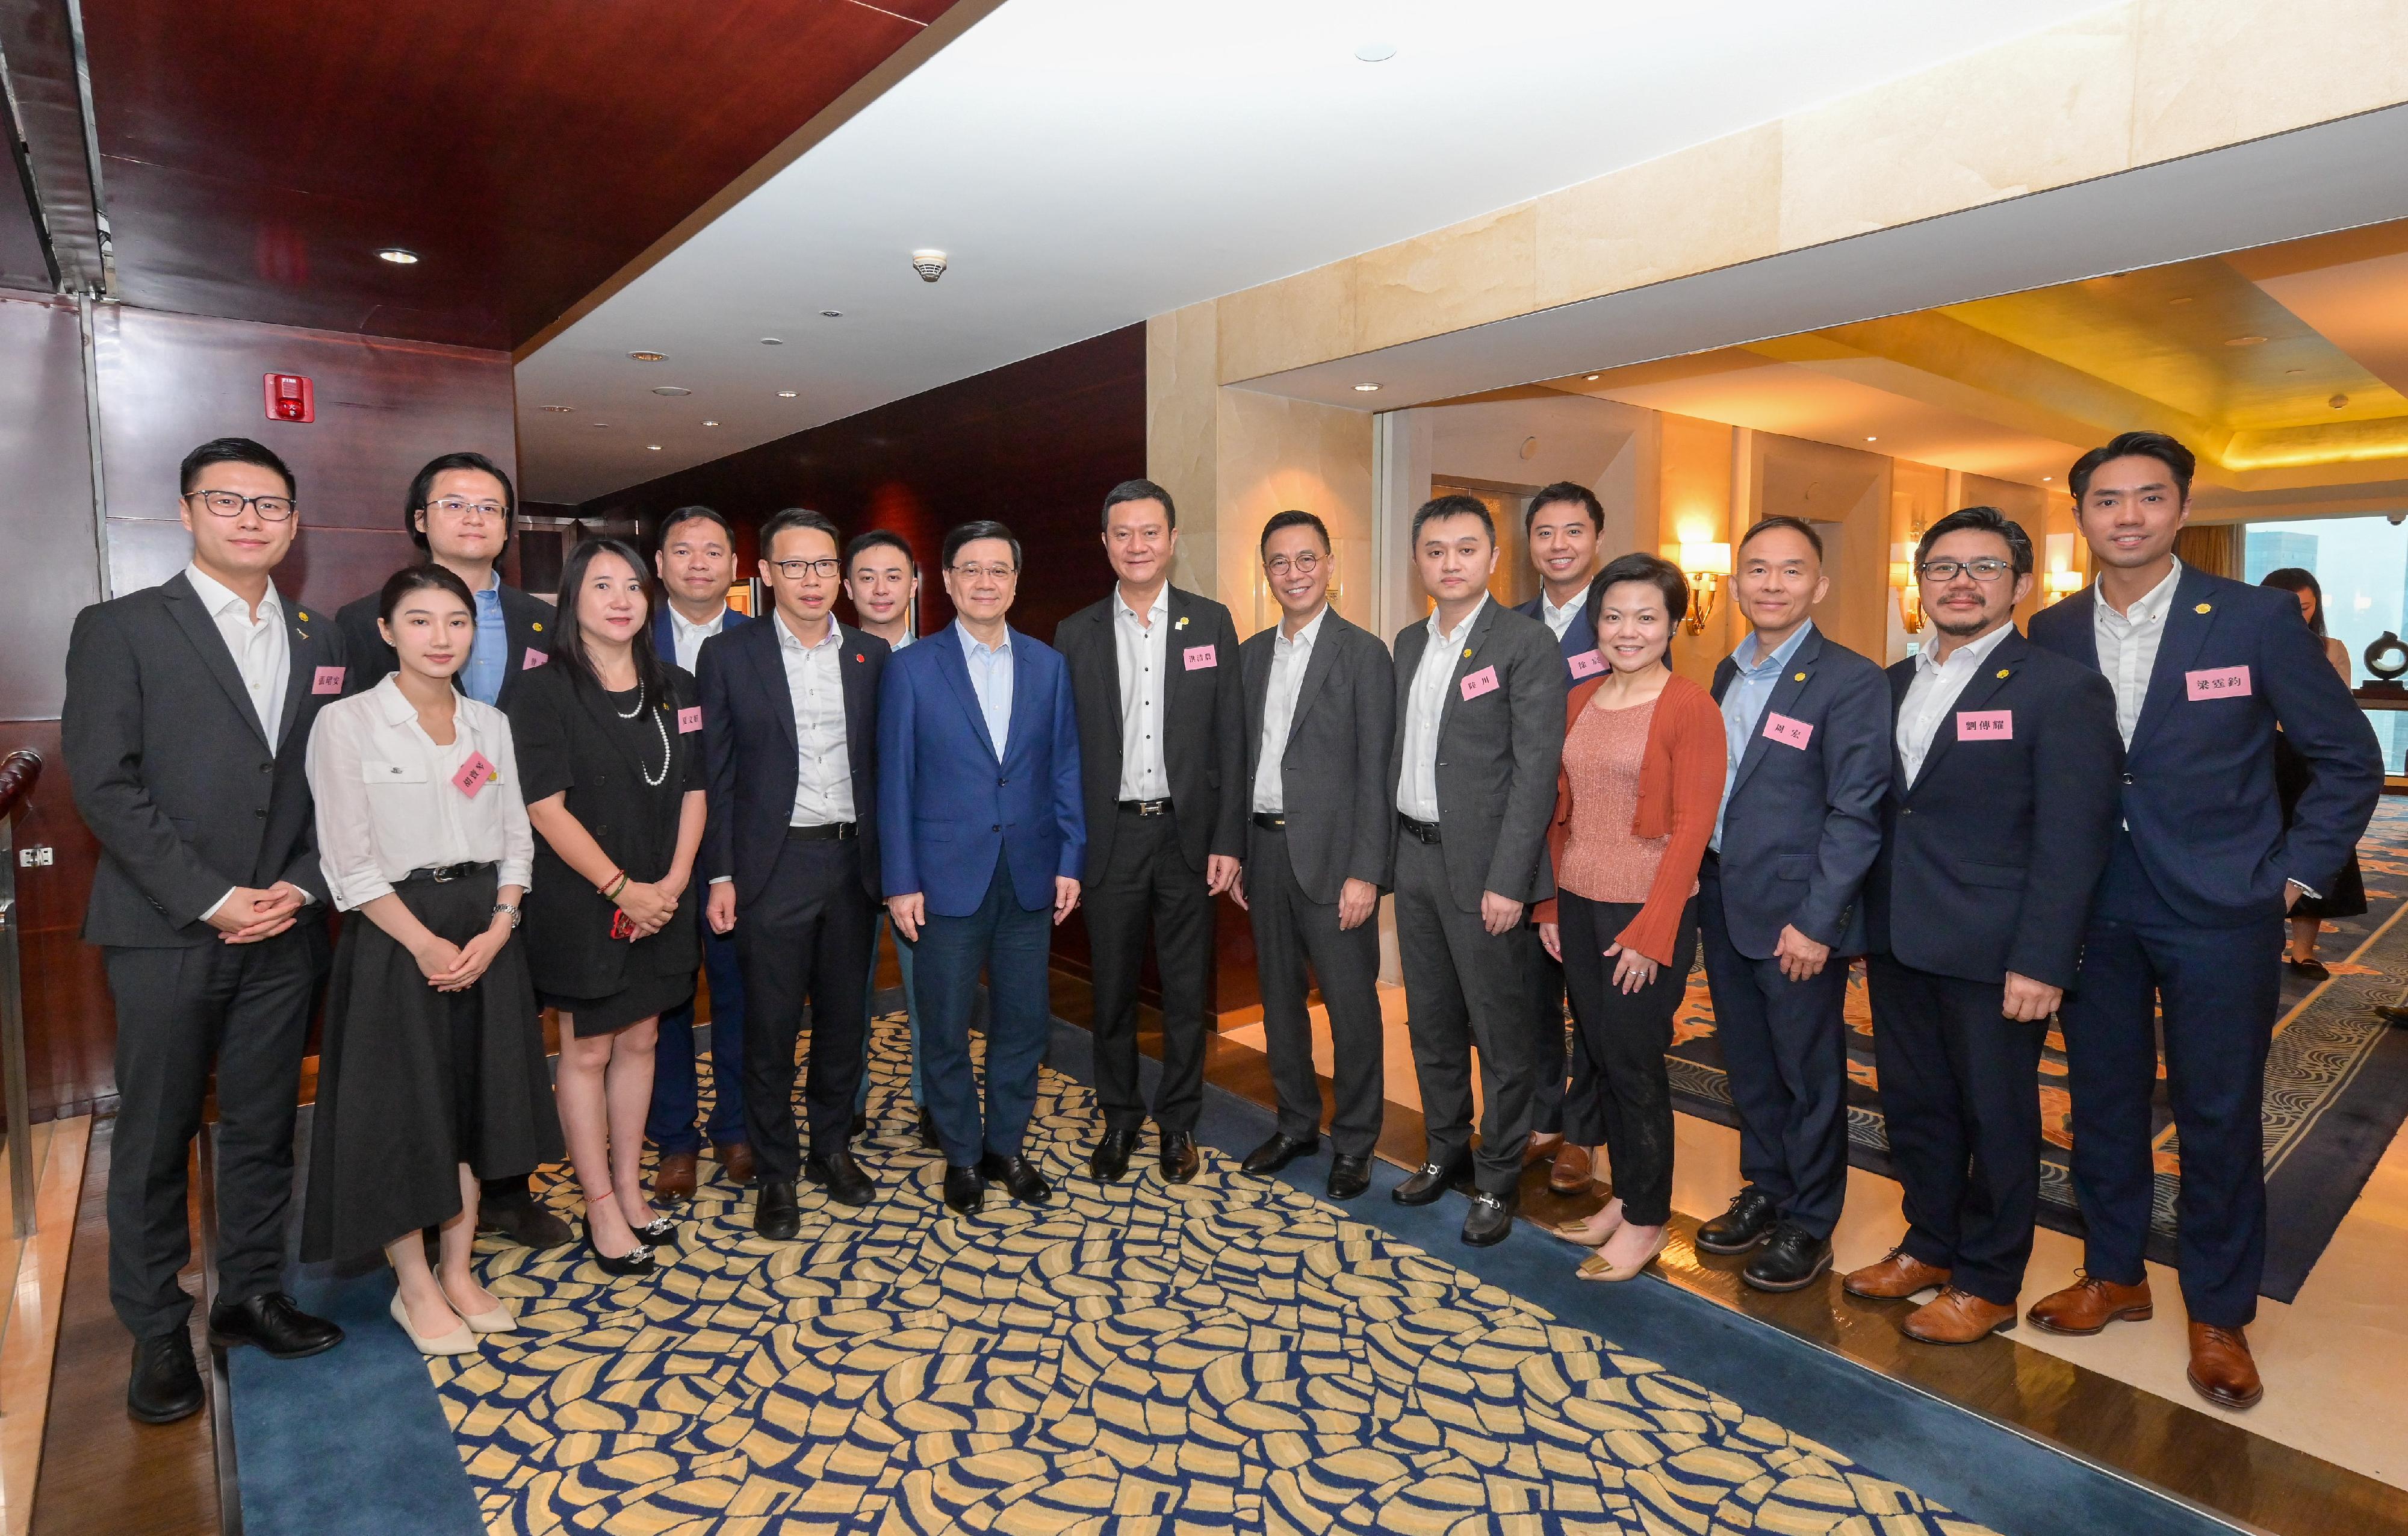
x=2062, y=580
x=1707, y=565
x=2064, y=583
x=1909, y=595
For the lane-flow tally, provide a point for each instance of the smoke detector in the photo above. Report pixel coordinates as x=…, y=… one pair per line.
x=930, y=264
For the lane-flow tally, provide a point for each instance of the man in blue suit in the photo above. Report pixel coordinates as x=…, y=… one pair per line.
x=2189, y=917
x=1808, y=726
x=696, y=564
x=983, y=835
x=1560, y=528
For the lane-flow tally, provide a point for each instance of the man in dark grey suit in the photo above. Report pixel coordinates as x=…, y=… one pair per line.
x=1319, y=717
x=1479, y=733
x=187, y=718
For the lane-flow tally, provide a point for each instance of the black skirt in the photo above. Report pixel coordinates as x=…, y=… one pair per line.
x=643, y=997
x=413, y=1082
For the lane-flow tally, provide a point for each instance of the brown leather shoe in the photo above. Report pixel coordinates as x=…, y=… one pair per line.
x=1956, y=1317
x=2221, y=1368
x=1895, y=1278
x=2089, y=1304
x=1569, y=1174
x=673, y=1181
x=1537, y=1149
x=735, y=1160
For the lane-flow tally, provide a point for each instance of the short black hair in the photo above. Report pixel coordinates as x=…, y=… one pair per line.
x=1454, y=506
x=1565, y=490
x=2296, y=579
x=2180, y=462
x=1782, y=520
x=1137, y=490
x=410, y=579
x=422, y=489
x=790, y=518
x=1659, y=572
x=970, y=533
x=232, y=450
x=1291, y=519
x=696, y=514
x=879, y=539
x=1981, y=520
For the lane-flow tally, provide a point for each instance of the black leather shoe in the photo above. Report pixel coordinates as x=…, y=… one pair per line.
x=1018, y=1175
x=1349, y=1176
x=1491, y=1218
x=1789, y=1261
x=927, y=1129
x=1435, y=1179
x=273, y=1323
x=776, y=1213
x=1111, y=1158
x=523, y=1220
x=842, y=1177
x=165, y=1382
x=1745, y=1224
x=964, y=1189
x=1180, y=1159
x=1276, y=1154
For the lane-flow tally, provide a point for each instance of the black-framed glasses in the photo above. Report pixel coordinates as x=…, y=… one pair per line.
x=1303, y=564
x=231, y=504
x=993, y=573
x=1984, y=570
x=794, y=570
x=455, y=507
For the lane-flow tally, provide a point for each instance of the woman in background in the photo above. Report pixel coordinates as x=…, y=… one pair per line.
x=610, y=742
x=432, y=1075
x=2347, y=898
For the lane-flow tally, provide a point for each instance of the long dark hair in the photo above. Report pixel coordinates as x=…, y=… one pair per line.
x=2293, y=580
x=569, y=637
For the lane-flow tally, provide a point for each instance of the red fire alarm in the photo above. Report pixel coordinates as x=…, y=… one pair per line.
x=289, y=398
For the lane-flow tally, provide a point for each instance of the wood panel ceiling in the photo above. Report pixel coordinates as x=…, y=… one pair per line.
x=256, y=157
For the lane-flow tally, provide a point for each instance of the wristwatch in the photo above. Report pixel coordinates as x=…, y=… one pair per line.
x=501, y=907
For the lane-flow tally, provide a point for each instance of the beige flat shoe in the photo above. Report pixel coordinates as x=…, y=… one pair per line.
x=500, y=1320
x=460, y=1341
x=1595, y=1268
x=1586, y=1234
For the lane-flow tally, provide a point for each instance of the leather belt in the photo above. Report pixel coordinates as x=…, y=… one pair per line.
x=1147, y=807
x=1420, y=831
x=824, y=832
x=1269, y=821
x=441, y=873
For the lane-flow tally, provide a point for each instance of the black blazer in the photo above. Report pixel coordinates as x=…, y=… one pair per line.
x=1203, y=707
x=528, y=619
x=170, y=772
x=1338, y=743
x=1989, y=858
x=567, y=739
x=751, y=758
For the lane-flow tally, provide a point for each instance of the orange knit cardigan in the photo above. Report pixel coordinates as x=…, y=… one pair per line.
x=1680, y=793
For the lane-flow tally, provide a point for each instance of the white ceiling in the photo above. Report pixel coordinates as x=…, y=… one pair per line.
x=1086, y=164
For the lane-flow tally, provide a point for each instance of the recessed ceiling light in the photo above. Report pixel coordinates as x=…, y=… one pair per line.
x=601, y=423
x=648, y=357
x=669, y=389
x=555, y=410
x=2183, y=299
x=2045, y=478
x=785, y=394
x=773, y=341
x=1376, y=53
x=2295, y=370
x=397, y=255
x=1873, y=439
x=1592, y=378
x=710, y=424
x=831, y=314
x=2243, y=340
x=653, y=447
x=1366, y=389
x=2338, y=401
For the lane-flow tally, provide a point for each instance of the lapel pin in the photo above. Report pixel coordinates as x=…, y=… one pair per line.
x=1797, y=677
x=2002, y=671
x=305, y=618
x=858, y=656
x=538, y=627
x=2204, y=608
x=1466, y=650
x=1181, y=624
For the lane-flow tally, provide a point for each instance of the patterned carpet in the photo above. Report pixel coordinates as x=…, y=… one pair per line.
x=1228, y=1355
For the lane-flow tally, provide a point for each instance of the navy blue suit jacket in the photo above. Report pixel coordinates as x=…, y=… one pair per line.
x=1580, y=636
x=1803, y=824
x=665, y=638
x=2199, y=775
x=950, y=805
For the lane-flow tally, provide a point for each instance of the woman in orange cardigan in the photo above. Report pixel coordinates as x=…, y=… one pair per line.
x=1635, y=802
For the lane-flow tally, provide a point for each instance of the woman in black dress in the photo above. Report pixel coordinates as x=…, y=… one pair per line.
x=609, y=743
x=2347, y=898
x=432, y=1074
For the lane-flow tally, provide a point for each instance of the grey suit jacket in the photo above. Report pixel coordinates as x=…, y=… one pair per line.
x=1497, y=754
x=1339, y=743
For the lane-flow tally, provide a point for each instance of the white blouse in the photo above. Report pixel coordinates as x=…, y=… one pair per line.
x=388, y=802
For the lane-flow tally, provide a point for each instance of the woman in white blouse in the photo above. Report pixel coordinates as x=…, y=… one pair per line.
x=432, y=1073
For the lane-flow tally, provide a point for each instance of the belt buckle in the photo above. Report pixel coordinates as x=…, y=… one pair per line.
x=440, y=873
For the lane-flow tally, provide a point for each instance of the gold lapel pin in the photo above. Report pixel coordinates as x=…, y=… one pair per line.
x=2204, y=608
x=1467, y=651
x=305, y=618
x=538, y=626
x=1181, y=624
x=1797, y=677
x=2002, y=671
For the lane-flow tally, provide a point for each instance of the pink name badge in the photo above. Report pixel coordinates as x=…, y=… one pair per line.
x=474, y=775
x=2218, y=682
x=330, y=681
x=1986, y=725
x=535, y=658
x=1482, y=682
x=1789, y=732
x=690, y=720
x=1202, y=655
x=1588, y=664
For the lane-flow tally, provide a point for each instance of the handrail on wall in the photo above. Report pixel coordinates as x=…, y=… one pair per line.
x=20, y=772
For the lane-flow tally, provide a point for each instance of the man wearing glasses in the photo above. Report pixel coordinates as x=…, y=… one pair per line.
x=187, y=718
x=2000, y=809
x=982, y=839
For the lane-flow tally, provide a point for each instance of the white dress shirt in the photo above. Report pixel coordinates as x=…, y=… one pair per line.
x=1144, y=650
x=1934, y=692
x=1417, y=786
x=387, y=803
x=1289, y=659
x=263, y=651
x=823, y=755
x=990, y=669
x=688, y=638
x=1560, y=619
x=2128, y=645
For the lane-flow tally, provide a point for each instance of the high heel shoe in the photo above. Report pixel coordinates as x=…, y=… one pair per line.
x=1595, y=1268
x=636, y=1260
x=1586, y=1235
x=658, y=1231
x=500, y=1320
x=460, y=1341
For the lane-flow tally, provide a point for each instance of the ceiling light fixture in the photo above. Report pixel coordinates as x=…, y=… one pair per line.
x=1367, y=389
x=555, y=410
x=2243, y=340
x=397, y=255
x=2045, y=478
x=1873, y=439
x=2183, y=299
x=1593, y=377
x=785, y=394
x=710, y=424
x=653, y=447
x=831, y=314
x=669, y=389
x=773, y=341
x=649, y=357
x=601, y=423
x=1376, y=53
x=2338, y=401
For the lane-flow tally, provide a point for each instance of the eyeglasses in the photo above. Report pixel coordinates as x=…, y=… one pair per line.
x=231, y=504
x=1303, y=564
x=794, y=570
x=993, y=573
x=454, y=507
x=1981, y=570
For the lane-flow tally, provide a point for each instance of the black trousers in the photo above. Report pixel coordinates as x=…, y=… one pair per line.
x=1786, y=1046
x=1148, y=881
x=1625, y=1036
x=1559, y=1065
x=244, y=1008
x=1292, y=931
x=1465, y=986
x=805, y=937
x=1960, y=1092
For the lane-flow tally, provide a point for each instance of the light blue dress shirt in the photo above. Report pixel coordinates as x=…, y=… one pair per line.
x=991, y=680
x=1743, y=703
x=488, y=659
